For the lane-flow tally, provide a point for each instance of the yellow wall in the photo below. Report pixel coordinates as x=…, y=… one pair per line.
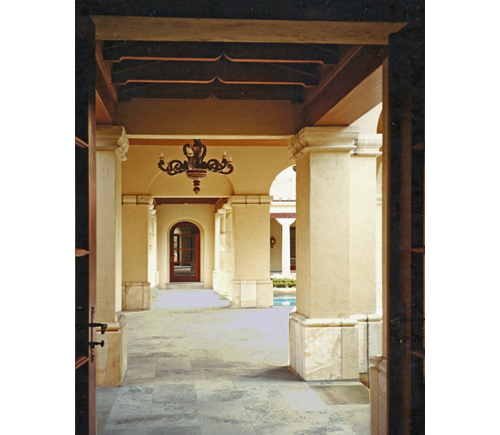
x=135, y=243
x=209, y=117
x=255, y=168
x=276, y=250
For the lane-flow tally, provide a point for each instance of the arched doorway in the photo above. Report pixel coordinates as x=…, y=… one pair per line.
x=184, y=253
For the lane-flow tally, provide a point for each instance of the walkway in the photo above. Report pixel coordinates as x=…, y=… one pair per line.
x=198, y=367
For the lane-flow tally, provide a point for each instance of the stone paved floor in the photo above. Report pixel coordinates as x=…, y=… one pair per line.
x=198, y=367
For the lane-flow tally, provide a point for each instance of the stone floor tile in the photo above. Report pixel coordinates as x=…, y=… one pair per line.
x=227, y=428
x=359, y=421
x=105, y=397
x=191, y=430
x=174, y=393
x=154, y=421
x=221, y=395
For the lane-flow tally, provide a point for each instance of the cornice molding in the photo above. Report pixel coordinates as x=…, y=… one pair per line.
x=113, y=138
x=368, y=145
x=323, y=138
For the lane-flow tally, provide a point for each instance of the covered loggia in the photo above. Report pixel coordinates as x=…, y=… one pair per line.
x=262, y=131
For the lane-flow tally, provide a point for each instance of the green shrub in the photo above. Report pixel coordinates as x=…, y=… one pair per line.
x=283, y=282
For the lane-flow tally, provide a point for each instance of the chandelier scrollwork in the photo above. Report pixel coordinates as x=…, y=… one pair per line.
x=195, y=167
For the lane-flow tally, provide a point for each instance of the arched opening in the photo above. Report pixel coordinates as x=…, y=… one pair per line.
x=184, y=252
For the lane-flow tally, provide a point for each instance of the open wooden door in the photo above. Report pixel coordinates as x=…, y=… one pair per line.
x=85, y=234
x=406, y=246
x=184, y=253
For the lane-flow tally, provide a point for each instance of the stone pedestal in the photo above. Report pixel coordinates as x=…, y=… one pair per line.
x=370, y=338
x=112, y=357
x=323, y=349
x=136, y=296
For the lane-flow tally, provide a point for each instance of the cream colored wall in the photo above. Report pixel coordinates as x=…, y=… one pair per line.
x=367, y=123
x=202, y=215
x=254, y=170
x=209, y=117
x=276, y=250
x=135, y=243
x=250, y=232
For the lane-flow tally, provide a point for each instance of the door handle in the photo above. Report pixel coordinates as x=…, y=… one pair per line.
x=93, y=344
x=103, y=326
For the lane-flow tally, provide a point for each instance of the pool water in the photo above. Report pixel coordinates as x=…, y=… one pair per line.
x=283, y=300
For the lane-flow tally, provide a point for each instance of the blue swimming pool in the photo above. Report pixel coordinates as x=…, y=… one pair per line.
x=284, y=300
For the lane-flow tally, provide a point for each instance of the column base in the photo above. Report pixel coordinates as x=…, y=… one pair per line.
x=136, y=295
x=378, y=395
x=324, y=349
x=251, y=293
x=111, y=359
x=370, y=338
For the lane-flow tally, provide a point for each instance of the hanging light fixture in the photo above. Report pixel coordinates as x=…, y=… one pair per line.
x=194, y=167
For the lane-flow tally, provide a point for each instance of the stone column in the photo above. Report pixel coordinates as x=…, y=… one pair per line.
x=152, y=244
x=323, y=337
x=136, y=289
x=363, y=247
x=216, y=273
x=251, y=285
x=111, y=146
x=285, y=245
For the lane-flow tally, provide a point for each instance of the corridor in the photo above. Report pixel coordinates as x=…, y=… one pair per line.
x=198, y=367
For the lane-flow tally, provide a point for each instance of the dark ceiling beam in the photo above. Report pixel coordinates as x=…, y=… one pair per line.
x=211, y=51
x=107, y=94
x=216, y=89
x=355, y=67
x=205, y=72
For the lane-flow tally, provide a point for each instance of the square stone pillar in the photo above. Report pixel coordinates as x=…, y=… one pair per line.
x=363, y=247
x=285, y=244
x=136, y=289
x=111, y=146
x=323, y=337
x=217, y=251
x=152, y=247
x=251, y=285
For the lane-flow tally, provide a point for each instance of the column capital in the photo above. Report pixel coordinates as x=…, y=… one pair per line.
x=368, y=145
x=285, y=221
x=323, y=138
x=249, y=200
x=112, y=138
x=136, y=200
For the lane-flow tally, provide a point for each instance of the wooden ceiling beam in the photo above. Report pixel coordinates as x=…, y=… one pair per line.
x=216, y=89
x=354, y=68
x=106, y=93
x=116, y=51
x=206, y=72
x=130, y=28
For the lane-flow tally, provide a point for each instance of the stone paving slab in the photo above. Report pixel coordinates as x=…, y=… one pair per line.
x=198, y=367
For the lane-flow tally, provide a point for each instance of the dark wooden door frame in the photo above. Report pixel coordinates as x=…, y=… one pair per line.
x=405, y=159
x=173, y=278
x=85, y=227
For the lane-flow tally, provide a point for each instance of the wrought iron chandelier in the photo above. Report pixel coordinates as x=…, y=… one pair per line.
x=194, y=167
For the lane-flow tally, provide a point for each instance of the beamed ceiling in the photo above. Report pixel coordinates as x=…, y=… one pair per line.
x=224, y=71
x=312, y=64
